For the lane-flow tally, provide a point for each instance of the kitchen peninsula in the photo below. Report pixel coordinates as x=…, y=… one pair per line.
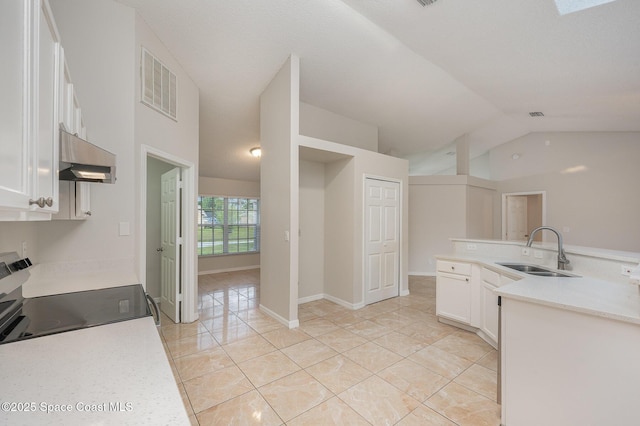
x=568, y=345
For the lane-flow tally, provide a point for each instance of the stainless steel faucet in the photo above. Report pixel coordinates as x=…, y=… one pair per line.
x=562, y=259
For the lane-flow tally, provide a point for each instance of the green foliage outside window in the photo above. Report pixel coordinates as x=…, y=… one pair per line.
x=228, y=225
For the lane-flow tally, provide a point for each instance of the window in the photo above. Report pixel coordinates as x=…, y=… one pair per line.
x=228, y=225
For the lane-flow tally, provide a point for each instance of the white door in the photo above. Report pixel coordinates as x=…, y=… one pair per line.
x=517, y=218
x=170, y=239
x=382, y=240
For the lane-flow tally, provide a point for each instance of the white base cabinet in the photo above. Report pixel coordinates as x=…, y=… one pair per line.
x=563, y=367
x=454, y=291
x=490, y=280
x=465, y=295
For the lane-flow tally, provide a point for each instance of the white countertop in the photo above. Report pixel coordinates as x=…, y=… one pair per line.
x=587, y=295
x=120, y=371
x=618, y=301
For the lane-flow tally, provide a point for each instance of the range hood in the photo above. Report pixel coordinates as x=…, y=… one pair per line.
x=84, y=162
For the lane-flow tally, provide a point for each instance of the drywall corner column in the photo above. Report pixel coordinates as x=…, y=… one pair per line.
x=462, y=155
x=279, y=188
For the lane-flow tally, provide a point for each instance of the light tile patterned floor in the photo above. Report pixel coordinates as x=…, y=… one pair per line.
x=389, y=363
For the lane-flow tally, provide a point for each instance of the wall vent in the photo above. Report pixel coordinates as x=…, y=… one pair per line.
x=158, y=85
x=426, y=2
x=536, y=114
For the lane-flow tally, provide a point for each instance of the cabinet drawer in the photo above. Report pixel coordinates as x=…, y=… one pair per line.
x=454, y=267
x=491, y=277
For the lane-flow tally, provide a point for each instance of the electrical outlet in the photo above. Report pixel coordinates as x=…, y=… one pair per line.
x=626, y=270
x=472, y=246
x=525, y=251
x=537, y=254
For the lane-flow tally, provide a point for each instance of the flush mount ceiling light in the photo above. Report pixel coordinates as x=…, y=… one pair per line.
x=256, y=152
x=426, y=2
x=570, y=6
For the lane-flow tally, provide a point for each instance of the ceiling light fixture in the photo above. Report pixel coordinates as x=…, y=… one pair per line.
x=256, y=152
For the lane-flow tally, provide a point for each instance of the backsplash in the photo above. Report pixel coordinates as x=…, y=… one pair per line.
x=588, y=261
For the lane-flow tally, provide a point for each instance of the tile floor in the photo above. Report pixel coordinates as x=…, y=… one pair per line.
x=389, y=363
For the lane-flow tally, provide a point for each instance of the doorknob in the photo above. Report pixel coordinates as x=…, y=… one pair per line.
x=160, y=249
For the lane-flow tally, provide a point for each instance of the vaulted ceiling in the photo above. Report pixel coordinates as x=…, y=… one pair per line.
x=425, y=76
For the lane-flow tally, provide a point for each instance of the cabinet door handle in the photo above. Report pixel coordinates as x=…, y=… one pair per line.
x=49, y=201
x=87, y=213
x=466, y=279
x=453, y=268
x=40, y=202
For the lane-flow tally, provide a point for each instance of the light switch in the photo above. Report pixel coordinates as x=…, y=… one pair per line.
x=124, y=229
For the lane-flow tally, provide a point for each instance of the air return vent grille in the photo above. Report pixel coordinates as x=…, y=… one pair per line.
x=426, y=2
x=158, y=85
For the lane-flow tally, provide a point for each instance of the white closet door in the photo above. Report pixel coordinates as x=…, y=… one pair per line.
x=382, y=240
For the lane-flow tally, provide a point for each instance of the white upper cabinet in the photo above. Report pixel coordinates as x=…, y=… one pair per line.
x=29, y=102
x=15, y=114
x=48, y=94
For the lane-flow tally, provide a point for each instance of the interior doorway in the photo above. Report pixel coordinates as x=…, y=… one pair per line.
x=522, y=212
x=153, y=164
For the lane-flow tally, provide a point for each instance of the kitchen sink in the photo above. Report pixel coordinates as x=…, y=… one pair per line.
x=538, y=271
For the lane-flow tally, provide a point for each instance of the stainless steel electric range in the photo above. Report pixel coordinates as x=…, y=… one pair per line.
x=25, y=318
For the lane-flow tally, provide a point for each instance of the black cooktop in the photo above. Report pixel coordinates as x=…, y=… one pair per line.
x=41, y=316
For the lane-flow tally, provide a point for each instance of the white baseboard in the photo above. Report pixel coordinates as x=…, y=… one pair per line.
x=352, y=306
x=404, y=292
x=281, y=320
x=308, y=299
x=239, y=268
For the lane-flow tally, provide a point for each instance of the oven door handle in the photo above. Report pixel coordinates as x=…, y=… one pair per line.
x=155, y=308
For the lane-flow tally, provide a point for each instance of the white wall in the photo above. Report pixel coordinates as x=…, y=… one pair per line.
x=98, y=38
x=339, y=250
x=229, y=188
x=176, y=139
x=437, y=212
x=279, y=106
x=12, y=234
x=322, y=124
x=344, y=202
x=312, y=230
x=444, y=207
x=591, y=181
